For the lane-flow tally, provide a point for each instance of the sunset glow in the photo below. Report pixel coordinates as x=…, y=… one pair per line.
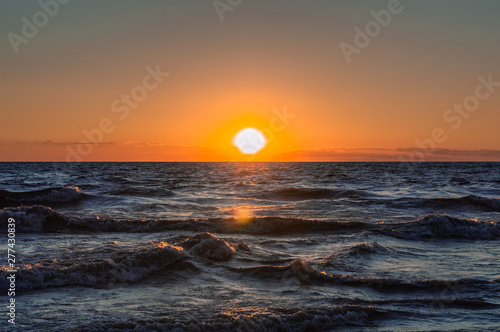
x=142, y=93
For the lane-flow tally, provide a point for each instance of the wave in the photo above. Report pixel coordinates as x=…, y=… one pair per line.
x=211, y=247
x=109, y=264
x=491, y=203
x=306, y=274
x=102, y=268
x=254, y=319
x=353, y=258
x=122, y=266
x=442, y=226
x=142, y=192
x=35, y=219
x=478, y=202
x=460, y=180
x=44, y=219
x=300, y=194
x=365, y=249
x=453, y=302
x=58, y=195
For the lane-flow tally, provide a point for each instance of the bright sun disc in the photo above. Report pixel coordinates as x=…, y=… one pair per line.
x=249, y=140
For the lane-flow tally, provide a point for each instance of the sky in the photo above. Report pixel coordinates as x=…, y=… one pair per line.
x=152, y=80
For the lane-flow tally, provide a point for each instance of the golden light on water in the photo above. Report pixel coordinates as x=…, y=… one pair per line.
x=246, y=213
x=243, y=213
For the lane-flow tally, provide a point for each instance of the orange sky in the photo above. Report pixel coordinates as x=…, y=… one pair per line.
x=92, y=84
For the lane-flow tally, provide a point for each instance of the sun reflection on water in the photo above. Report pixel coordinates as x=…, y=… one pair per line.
x=244, y=213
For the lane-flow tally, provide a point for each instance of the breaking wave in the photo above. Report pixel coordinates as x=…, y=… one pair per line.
x=37, y=218
x=211, y=247
x=122, y=266
x=110, y=264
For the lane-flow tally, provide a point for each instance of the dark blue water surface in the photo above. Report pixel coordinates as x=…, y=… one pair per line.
x=254, y=246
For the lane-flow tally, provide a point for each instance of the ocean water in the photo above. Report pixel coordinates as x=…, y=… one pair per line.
x=253, y=246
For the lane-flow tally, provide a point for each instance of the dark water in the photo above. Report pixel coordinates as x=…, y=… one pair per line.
x=254, y=246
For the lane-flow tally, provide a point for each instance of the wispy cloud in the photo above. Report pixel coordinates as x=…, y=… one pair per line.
x=158, y=151
x=398, y=154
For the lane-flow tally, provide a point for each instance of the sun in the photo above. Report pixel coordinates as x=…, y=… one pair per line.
x=249, y=140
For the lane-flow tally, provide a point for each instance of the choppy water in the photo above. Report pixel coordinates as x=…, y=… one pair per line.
x=254, y=246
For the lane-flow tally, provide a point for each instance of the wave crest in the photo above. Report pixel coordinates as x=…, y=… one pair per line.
x=471, y=201
x=300, y=269
x=299, y=194
x=125, y=266
x=59, y=195
x=211, y=247
x=442, y=226
x=43, y=219
x=254, y=319
x=35, y=218
x=366, y=248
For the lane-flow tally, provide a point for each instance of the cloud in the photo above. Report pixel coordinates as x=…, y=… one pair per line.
x=158, y=151
x=104, y=151
x=399, y=154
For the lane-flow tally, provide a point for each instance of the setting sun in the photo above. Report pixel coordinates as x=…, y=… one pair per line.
x=249, y=140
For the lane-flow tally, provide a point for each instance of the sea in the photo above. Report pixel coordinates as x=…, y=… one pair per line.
x=251, y=246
